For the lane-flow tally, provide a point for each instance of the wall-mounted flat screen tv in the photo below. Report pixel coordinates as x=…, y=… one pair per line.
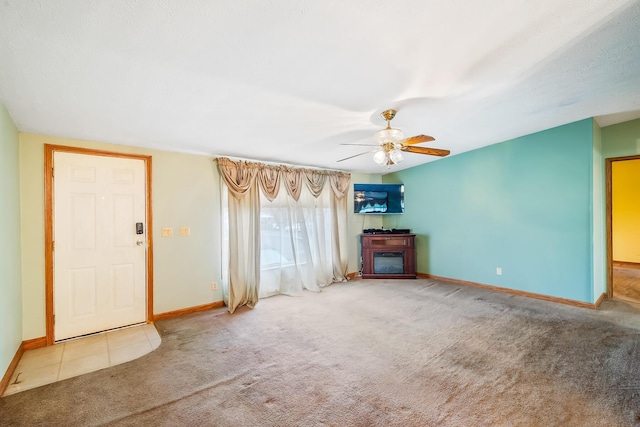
x=378, y=198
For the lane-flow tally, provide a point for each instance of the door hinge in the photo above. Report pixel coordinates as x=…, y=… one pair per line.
x=54, y=319
x=53, y=245
x=52, y=172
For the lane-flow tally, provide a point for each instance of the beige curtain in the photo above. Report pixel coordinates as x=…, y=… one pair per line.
x=293, y=182
x=243, y=247
x=243, y=182
x=315, y=181
x=244, y=250
x=269, y=179
x=340, y=186
x=239, y=176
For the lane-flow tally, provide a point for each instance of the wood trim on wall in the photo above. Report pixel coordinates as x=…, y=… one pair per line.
x=188, y=310
x=626, y=264
x=148, y=163
x=609, y=227
x=24, y=346
x=48, y=240
x=34, y=343
x=599, y=300
x=609, y=213
x=49, y=150
x=515, y=291
x=4, y=383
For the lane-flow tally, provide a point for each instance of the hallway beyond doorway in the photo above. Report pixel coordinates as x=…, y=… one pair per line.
x=626, y=282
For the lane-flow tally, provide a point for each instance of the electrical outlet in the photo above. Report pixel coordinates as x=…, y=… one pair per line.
x=499, y=271
x=185, y=231
x=214, y=286
x=167, y=232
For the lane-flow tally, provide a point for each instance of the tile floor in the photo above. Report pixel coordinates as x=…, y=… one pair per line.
x=80, y=356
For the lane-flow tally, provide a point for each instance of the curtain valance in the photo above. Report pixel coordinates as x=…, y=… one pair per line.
x=240, y=176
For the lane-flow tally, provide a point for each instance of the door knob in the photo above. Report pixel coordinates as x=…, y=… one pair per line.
x=139, y=242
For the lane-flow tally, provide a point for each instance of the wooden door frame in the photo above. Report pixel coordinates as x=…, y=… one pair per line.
x=49, y=151
x=609, y=193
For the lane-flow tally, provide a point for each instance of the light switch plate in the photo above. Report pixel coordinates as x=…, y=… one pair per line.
x=167, y=232
x=185, y=231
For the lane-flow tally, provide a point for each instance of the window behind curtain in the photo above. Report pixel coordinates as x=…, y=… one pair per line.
x=295, y=243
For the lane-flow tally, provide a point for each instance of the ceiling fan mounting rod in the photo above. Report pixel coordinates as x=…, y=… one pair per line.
x=388, y=115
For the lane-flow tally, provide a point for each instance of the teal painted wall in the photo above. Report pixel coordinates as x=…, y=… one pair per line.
x=523, y=205
x=10, y=261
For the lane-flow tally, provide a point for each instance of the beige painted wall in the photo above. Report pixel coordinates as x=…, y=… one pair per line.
x=10, y=261
x=359, y=222
x=185, y=193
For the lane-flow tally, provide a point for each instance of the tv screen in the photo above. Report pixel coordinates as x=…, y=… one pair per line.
x=378, y=198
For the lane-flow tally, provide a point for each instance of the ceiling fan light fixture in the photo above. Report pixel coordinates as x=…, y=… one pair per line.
x=380, y=157
x=396, y=156
x=388, y=135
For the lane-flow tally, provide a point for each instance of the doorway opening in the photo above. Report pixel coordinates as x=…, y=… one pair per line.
x=623, y=227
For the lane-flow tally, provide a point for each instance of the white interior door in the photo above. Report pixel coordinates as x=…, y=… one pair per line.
x=99, y=259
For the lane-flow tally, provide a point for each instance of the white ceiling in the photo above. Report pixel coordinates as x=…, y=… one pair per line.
x=290, y=80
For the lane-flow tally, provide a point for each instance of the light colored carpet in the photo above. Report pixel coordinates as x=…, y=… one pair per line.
x=367, y=353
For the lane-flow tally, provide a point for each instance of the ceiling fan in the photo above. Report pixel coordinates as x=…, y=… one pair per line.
x=390, y=143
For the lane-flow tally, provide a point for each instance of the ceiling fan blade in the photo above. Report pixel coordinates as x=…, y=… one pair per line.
x=348, y=136
x=425, y=150
x=355, y=155
x=362, y=145
x=417, y=139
